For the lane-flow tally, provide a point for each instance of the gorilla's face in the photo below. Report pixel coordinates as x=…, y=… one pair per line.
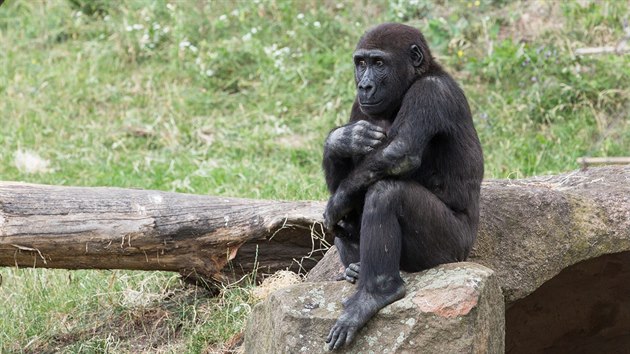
x=374, y=75
x=383, y=77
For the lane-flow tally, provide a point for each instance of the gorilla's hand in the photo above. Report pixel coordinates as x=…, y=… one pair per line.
x=358, y=138
x=338, y=206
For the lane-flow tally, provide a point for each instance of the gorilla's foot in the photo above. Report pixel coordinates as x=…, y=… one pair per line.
x=352, y=272
x=358, y=310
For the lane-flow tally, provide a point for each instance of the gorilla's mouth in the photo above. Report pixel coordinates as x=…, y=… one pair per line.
x=370, y=103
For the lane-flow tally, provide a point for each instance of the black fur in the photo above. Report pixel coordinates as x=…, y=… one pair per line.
x=404, y=174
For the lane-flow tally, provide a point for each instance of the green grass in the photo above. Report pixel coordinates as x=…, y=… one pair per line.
x=236, y=98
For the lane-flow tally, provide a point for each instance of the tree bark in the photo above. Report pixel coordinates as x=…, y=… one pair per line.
x=114, y=228
x=530, y=229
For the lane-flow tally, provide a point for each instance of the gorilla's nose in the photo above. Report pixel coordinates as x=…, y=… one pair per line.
x=367, y=88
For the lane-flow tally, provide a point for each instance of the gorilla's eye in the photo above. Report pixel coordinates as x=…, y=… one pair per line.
x=362, y=63
x=379, y=63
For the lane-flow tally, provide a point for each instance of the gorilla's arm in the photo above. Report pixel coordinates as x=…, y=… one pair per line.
x=421, y=117
x=336, y=168
x=355, y=139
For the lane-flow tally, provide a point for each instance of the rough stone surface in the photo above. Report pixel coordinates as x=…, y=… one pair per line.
x=328, y=268
x=453, y=308
x=531, y=229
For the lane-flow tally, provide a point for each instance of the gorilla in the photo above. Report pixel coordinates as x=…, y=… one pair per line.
x=404, y=174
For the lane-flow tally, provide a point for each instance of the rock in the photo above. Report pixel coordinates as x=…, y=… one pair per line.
x=531, y=229
x=328, y=268
x=453, y=308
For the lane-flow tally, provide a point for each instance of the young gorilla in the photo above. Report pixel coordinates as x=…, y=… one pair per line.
x=404, y=174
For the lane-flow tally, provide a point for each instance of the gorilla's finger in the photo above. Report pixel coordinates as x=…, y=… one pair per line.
x=341, y=340
x=377, y=135
x=352, y=331
x=333, y=336
x=377, y=129
x=373, y=143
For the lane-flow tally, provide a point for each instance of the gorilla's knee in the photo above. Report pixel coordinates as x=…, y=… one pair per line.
x=383, y=195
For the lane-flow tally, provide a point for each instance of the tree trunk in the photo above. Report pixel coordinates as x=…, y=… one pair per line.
x=113, y=228
x=530, y=229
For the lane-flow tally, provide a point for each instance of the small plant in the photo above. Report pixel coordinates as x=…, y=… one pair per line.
x=91, y=7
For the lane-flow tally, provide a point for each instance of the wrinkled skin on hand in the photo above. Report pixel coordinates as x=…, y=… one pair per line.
x=358, y=138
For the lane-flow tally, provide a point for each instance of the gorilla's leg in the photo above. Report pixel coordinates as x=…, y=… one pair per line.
x=347, y=243
x=433, y=233
x=403, y=225
x=348, y=248
x=379, y=278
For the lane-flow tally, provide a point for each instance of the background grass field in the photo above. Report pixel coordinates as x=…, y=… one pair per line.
x=235, y=98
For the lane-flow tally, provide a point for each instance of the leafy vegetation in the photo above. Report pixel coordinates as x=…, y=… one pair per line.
x=235, y=98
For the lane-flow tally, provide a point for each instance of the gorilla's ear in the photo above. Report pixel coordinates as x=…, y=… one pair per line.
x=416, y=55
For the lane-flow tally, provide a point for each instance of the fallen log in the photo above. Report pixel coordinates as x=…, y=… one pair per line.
x=591, y=161
x=114, y=228
x=530, y=229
